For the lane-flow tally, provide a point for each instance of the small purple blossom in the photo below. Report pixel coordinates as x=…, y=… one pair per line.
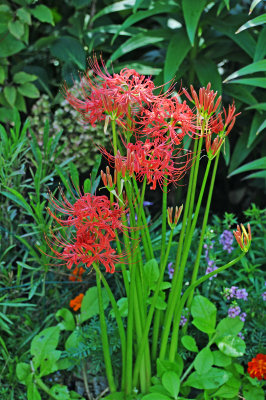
x=147, y=203
x=183, y=320
x=234, y=311
x=242, y=316
x=241, y=294
x=227, y=239
x=241, y=336
x=264, y=296
x=211, y=269
x=171, y=270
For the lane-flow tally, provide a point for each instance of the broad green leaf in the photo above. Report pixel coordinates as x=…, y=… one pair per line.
x=10, y=94
x=137, y=4
x=260, y=20
x=203, y=309
x=151, y=273
x=256, y=175
x=2, y=75
x=252, y=392
x=60, y=392
x=229, y=390
x=241, y=151
x=134, y=18
x=203, y=361
x=258, y=66
x=260, y=163
x=20, y=103
x=189, y=343
x=67, y=49
x=141, y=68
x=164, y=365
x=241, y=93
x=258, y=106
x=43, y=344
x=16, y=28
x=260, y=50
x=220, y=359
x=122, y=305
x=213, y=379
x=258, y=82
x=18, y=198
x=23, y=372
x=22, y=77
x=32, y=392
x=90, y=305
x=192, y=11
x=253, y=5
x=43, y=14
x=229, y=326
x=74, y=175
x=257, y=125
x=232, y=346
x=68, y=322
x=140, y=40
x=156, y=396
x=207, y=71
x=171, y=382
x=24, y=15
x=202, y=325
x=29, y=90
x=9, y=46
x=118, y=6
x=177, y=50
x=49, y=362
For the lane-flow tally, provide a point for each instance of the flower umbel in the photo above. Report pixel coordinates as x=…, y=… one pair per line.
x=257, y=367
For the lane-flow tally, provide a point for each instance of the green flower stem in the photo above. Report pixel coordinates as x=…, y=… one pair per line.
x=44, y=387
x=167, y=320
x=123, y=266
x=190, y=289
x=85, y=380
x=155, y=333
x=104, y=335
x=164, y=218
x=150, y=314
x=114, y=136
x=203, y=229
x=119, y=322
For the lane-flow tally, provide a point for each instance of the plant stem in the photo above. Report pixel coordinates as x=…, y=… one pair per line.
x=114, y=136
x=104, y=335
x=85, y=380
x=164, y=206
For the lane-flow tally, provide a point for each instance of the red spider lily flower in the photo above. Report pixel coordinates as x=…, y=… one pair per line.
x=257, y=367
x=168, y=119
x=77, y=274
x=178, y=211
x=75, y=303
x=243, y=238
x=205, y=101
x=104, y=94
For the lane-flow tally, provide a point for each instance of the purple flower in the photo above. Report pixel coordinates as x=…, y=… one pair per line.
x=241, y=294
x=243, y=316
x=264, y=296
x=227, y=239
x=147, y=203
x=183, y=320
x=170, y=270
x=211, y=268
x=234, y=311
x=241, y=335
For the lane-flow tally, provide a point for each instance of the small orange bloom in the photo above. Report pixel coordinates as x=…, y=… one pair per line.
x=76, y=274
x=257, y=367
x=243, y=238
x=76, y=302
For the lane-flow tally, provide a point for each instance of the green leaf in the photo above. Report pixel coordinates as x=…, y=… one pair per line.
x=141, y=39
x=202, y=325
x=226, y=151
x=43, y=14
x=229, y=390
x=203, y=361
x=256, y=175
x=171, y=382
x=10, y=94
x=204, y=313
x=258, y=66
x=253, y=5
x=49, y=362
x=18, y=198
x=22, y=77
x=90, y=305
x=260, y=163
x=257, y=125
x=192, y=11
x=74, y=175
x=258, y=82
x=241, y=93
x=258, y=106
x=24, y=15
x=151, y=273
x=139, y=16
x=260, y=50
x=67, y=49
x=207, y=71
x=32, y=392
x=23, y=372
x=155, y=396
x=118, y=6
x=122, y=305
x=61, y=392
x=189, y=343
x=229, y=326
x=164, y=365
x=213, y=379
x=252, y=392
x=2, y=75
x=177, y=50
x=29, y=90
x=260, y=20
x=68, y=322
x=10, y=46
x=16, y=28
x=44, y=343
x=232, y=346
x=220, y=359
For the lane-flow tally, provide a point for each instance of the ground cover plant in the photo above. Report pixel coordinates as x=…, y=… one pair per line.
x=144, y=327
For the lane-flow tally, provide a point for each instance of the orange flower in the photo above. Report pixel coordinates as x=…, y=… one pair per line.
x=243, y=238
x=76, y=302
x=257, y=367
x=76, y=274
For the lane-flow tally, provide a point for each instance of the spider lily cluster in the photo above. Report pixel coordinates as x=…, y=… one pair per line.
x=149, y=131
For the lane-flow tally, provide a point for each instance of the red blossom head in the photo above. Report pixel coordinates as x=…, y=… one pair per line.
x=243, y=238
x=204, y=101
x=257, y=367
